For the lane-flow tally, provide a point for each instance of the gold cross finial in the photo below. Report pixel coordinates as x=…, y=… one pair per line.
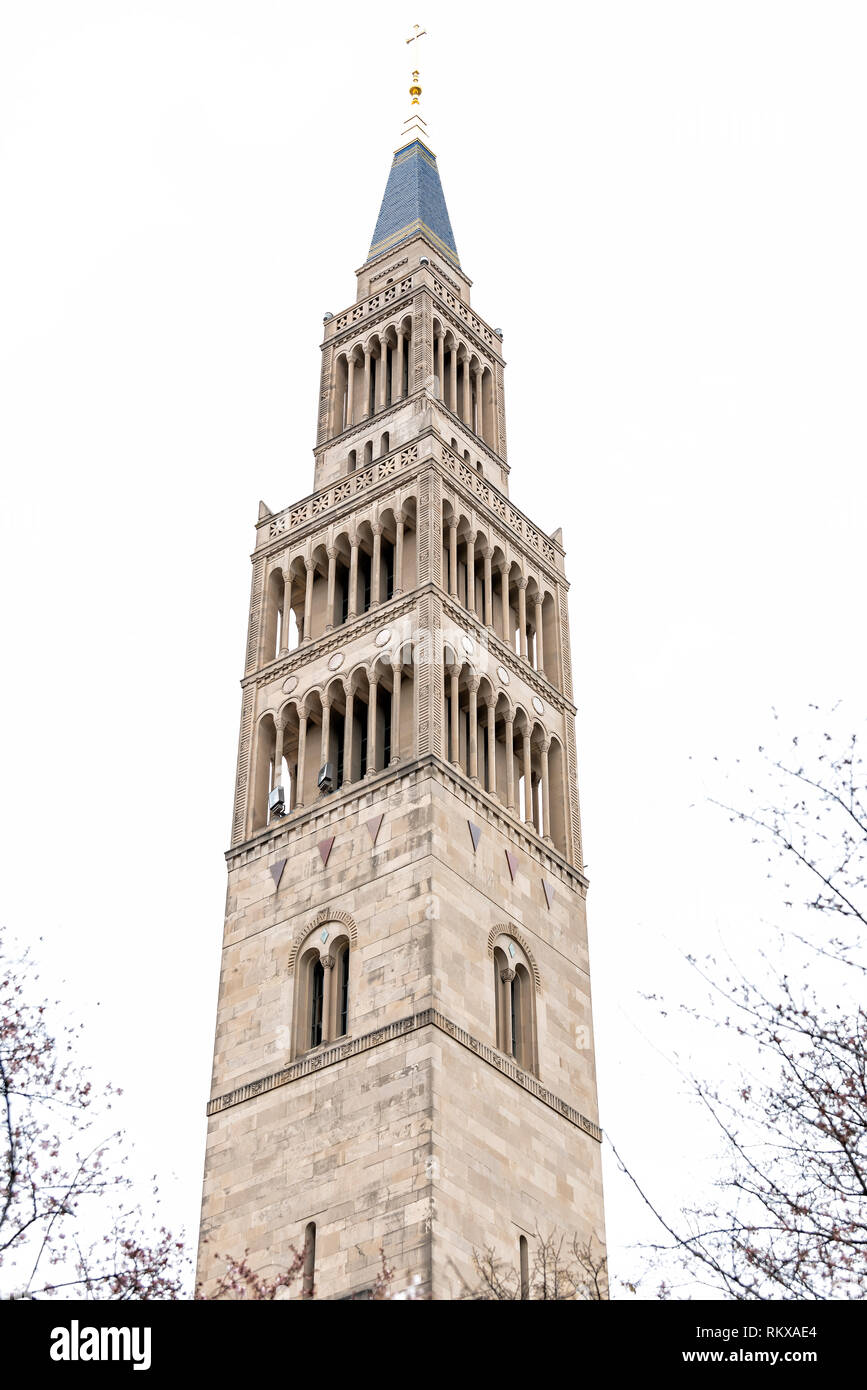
x=415, y=86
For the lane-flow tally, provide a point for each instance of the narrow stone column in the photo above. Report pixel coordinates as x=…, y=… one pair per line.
x=371, y=727
x=365, y=404
x=528, y=780
x=397, y=369
x=440, y=365
x=473, y=686
x=471, y=574
x=522, y=614
x=505, y=1043
x=453, y=380
x=504, y=600
x=332, y=576
x=326, y=733
x=489, y=589
x=348, y=740
x=466, y=403
x=540, y=650
x=327, y=995
x=398, y=557
x=353, y=580
x=302, y=750
x=308, y=601
x=287, y=609
x=350, y=392
x=454, y=673
x=453, y=558
x=382, y=375
x=510, y=763
x=395, y=713
x=546, y=797
x=376, y=564
x=278, y=753
x=492, y=747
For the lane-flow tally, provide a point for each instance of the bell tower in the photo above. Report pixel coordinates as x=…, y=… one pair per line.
x=404, y=1055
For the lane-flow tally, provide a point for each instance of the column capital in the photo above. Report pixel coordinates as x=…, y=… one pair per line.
x=522, y=581
x=454, y=670
x=328, y=962
x=507, y=975
x=377, y=528
x=473, y=683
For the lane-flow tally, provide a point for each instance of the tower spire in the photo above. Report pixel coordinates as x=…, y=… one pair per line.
x=414, y=202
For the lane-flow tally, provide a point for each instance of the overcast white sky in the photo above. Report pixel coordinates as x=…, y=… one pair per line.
x=663, y=206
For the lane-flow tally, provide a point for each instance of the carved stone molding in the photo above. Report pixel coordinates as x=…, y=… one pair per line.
x=509, y=929
x=341, y=1050
x=324, y=917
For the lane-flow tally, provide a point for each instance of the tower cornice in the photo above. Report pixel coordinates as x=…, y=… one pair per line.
x=339, y=499
x=348, y=320
x=368, y=792
x=389, y=613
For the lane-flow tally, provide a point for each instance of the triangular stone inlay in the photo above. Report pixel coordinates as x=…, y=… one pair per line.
x=373, y=827
x=324, y=848
x=475, y=835
x=277, y=872
x=512, y=861
x=549, y=892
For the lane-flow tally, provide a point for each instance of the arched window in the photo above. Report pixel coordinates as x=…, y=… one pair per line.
x=514, y=987
x=321, y=1007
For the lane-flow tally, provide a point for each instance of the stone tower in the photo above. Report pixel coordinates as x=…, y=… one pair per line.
x=404, y=1060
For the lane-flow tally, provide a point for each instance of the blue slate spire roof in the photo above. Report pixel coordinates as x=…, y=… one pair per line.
x=414, y=202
